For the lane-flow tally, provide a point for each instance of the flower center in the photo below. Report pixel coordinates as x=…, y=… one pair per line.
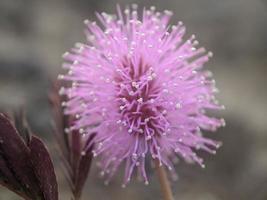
x=138, y=94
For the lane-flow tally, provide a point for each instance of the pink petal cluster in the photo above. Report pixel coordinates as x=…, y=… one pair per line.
x=140, y=86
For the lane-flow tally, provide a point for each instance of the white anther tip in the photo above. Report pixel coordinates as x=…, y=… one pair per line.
x=86, y=21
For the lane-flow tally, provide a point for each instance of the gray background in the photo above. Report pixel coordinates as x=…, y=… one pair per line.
x=35, y=33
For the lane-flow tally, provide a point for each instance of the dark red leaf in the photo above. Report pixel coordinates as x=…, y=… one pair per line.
x=76, y=152
x=61, y=121
x=43, y=168
x=17, y=157
x=83, y=171
x=22, y=126
x=7, y=176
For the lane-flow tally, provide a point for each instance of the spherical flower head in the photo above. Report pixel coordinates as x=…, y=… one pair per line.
x=140, y=86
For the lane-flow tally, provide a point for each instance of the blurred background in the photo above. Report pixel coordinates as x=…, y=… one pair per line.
x=35, y=33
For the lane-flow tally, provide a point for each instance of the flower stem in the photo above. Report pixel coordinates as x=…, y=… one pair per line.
x=164, y=182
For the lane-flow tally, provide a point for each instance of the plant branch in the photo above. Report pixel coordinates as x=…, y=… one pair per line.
x=164, y=182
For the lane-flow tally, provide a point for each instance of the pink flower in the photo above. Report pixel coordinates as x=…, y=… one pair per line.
x=140, y=86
